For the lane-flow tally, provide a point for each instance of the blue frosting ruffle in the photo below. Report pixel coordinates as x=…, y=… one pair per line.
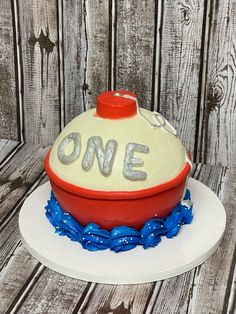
x=121, y=238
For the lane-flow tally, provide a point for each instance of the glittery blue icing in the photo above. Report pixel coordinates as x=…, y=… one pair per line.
x=121, y=238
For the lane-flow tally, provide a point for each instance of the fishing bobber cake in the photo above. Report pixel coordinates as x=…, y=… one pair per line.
x=118, y=175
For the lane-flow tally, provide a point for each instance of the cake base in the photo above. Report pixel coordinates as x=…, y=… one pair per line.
x=193, y=245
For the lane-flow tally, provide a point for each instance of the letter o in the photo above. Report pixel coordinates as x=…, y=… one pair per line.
x=68, y=159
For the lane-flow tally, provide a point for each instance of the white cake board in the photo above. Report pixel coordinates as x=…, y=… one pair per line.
x=193, y=245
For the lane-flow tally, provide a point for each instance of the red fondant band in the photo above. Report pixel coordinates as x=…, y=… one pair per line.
x=112, y=195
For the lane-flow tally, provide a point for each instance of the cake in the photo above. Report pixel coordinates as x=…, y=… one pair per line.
x=118, y=175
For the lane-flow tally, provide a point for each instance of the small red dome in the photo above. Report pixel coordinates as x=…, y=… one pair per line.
x=117, y=104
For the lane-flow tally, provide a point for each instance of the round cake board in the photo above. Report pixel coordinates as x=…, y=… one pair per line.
x=192, y=246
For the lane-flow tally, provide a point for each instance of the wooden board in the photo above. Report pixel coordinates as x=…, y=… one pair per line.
x=178, y=294
x=54, y=293
x=179, y=66
x=8, y=101
x=17, y=177
x=117, y=299
x=134, y=36
x=85, y=29
x=218, y=112
x=14, y=276
x=9, y=230
x=231, y=289
x=6, y=149
x=213, y=297
x=21, y=172
x=39, y=70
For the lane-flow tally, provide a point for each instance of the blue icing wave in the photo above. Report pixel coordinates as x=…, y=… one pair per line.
x=121, y=238
x=124, y=238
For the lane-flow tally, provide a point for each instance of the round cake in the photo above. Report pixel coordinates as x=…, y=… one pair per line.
x=118, y=165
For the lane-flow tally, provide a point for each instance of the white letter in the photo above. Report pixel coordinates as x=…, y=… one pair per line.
x=105, y=158
x=130, y=162
x=68, y=159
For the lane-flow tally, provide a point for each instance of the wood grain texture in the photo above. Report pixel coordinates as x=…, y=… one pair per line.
x=179, y=294
x=86, y=53
x=173, y=295
x=8, y=100
x=10, y=239
x=23, y=170
x=18, y=176
x=9, y=231
x=134, y=48
x=218, y=121
x=16, y=276
x=181, y=34
x=212, y=285
x=117, y=299
x=6, y=148
x=40, y=73
x=53, y=293
x=231, y=304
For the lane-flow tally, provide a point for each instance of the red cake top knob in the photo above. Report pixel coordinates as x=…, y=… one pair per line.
x=117, y=104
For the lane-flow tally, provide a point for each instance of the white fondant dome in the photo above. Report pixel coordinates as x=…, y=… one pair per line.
x=166, y=158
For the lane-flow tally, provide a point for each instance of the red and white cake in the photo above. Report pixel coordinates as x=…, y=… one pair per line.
x=118, y=164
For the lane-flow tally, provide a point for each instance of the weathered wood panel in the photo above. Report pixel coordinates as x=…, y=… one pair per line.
x=231, y=306
x=10, y=239
x=17, y=177
x=134, y=48
x=9, y=231
x=18, y=274
x=6, y=149
x=86, y=54
x=25, y=165
x=117, y=299
x=179, y=294
x=40, y=73
x=53, y=293
x=217, y=144
x=212, y=285
x=17, y=180
x=173, y=295
x=181, y=34
x=8, y=100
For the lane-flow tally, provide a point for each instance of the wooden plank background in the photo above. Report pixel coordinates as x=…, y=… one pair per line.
x=85, y=46
x=177, y=56
x=217, y=142
x=8, y=78
x=39, y=69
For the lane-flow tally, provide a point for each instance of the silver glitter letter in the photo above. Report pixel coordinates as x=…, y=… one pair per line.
x=68, y=159
x=131, y=161
x=105, y=157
